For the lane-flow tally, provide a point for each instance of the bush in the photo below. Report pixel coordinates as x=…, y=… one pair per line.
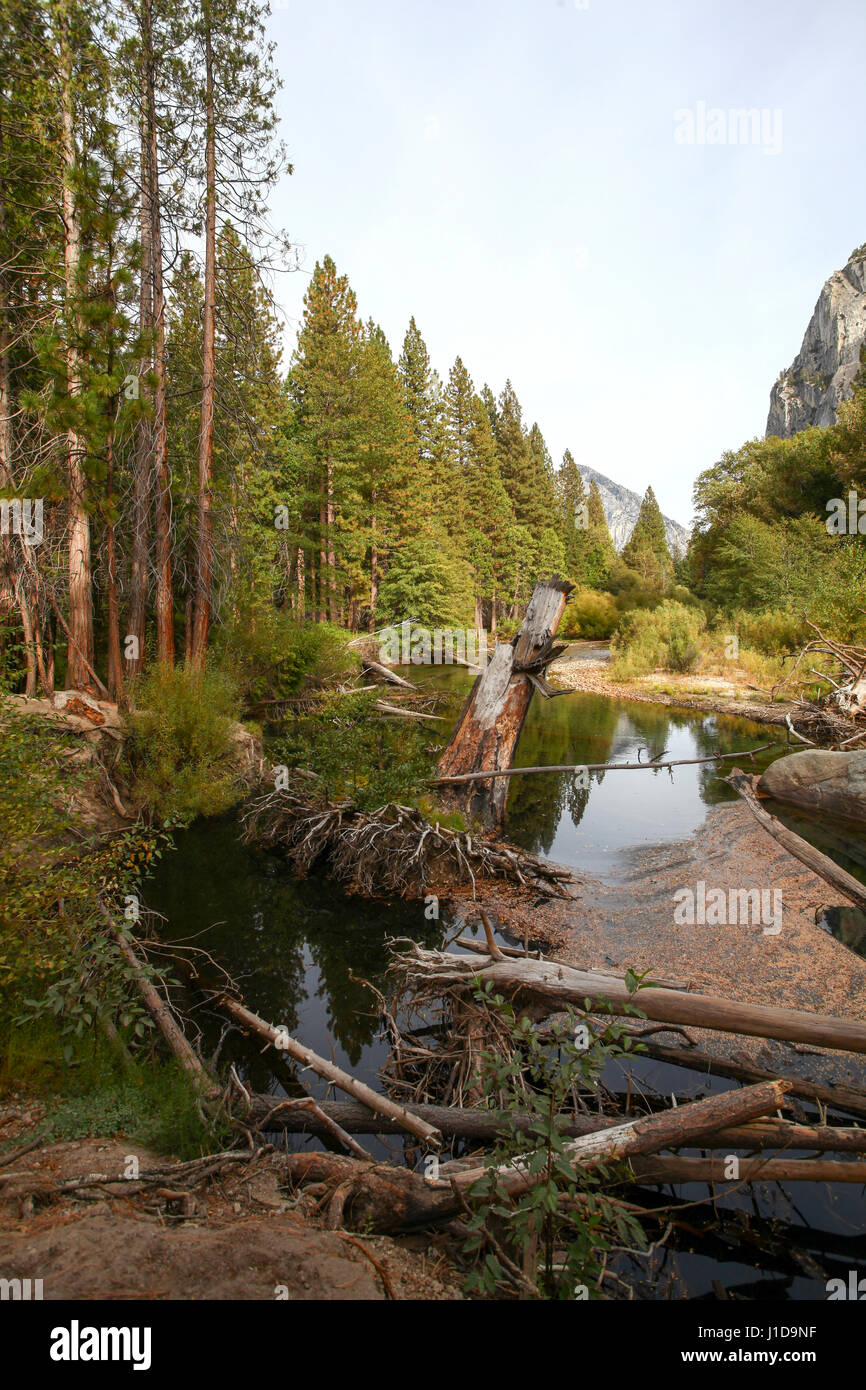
x=664, y=638
x=179, y=744
x=589, y=613
x=356, y=752
x=772, y=632
x=270, y=655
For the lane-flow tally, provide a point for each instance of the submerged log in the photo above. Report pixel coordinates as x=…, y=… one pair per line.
x=839, y=1096
x=486, y=1126
x=551, y=986
x=714, y=1170
x=491, y=721
x=819, y=863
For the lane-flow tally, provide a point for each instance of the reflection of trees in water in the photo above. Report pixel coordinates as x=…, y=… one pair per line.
x=349, y=936
x=257, y=919
x=568, y=729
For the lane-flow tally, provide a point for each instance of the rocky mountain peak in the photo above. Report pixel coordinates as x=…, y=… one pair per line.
x=621, y=508
x=822, y=373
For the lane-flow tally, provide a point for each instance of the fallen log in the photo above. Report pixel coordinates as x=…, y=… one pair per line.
x=819, y=863
x=487, y=732
x=681, y=1126
x=554, y=986
x=387, y=674
x=486, y=1126
x=381, y=1197
x=713, y=1170
x=385, y=708
x=840, y=1097
x=599, y=767
x=162, y=1015
x=279, y=1038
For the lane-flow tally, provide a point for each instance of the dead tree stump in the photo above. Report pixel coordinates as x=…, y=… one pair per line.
x=488, y=730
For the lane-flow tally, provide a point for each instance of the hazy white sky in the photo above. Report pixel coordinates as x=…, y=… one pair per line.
x=517, y=175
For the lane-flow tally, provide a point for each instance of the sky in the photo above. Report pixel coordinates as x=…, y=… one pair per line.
x=557, y=191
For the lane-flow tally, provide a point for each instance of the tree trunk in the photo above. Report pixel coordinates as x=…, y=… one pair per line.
x=490, y=724
x=552, y=986
x=161, y=471
x=80, y=650
x=141, y=480
x=204, y=520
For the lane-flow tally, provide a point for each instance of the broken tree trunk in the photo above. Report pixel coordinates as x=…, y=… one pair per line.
x=488, y=730
x=279, y=1038
x=819, y=863
x=553, y=986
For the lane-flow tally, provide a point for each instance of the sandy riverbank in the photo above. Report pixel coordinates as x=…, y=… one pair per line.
x=713, y=694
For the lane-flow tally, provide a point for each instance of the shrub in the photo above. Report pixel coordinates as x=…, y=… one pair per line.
x=179, y=744
x=589, y=613
x=772, y=631
x=270, y=655
x=663, y=638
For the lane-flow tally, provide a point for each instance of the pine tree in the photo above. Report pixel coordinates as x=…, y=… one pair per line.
x=647, y=551
x=323, y=387
x=573, y=517
x=600, y=552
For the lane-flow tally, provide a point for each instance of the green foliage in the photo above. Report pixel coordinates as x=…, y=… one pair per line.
x=564, y=1216
x=589, y=613
x=179, y=744
x=152, y=1104
x=356, y=752
x=50, y=884
x=270, y=655
x=646, y=550
x=663, y=638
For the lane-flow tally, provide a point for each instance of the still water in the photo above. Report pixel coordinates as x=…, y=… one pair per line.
x=300, y=949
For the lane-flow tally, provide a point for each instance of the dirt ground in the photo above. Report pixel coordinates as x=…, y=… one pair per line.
x=242, y=1239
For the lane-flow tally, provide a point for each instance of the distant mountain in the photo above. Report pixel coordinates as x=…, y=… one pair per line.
x=820, y=377
x=621, y=507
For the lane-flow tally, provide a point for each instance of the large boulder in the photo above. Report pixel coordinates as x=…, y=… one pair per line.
x=820, y=781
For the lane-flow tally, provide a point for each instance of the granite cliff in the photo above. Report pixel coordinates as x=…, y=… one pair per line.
x=820, y=377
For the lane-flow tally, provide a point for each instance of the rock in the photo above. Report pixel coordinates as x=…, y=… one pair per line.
x=820, y=781
x=821, y=375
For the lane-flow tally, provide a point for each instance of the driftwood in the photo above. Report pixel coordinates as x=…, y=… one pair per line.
x=552, y=986
x=387, y=674
x=598, y=767
x=819, y=863
x=383, y=1198
x=489, y=727
x=391, y=851
x=280, y=1039
x=163, y=1017
x=486, y=1126
x=385, y=708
